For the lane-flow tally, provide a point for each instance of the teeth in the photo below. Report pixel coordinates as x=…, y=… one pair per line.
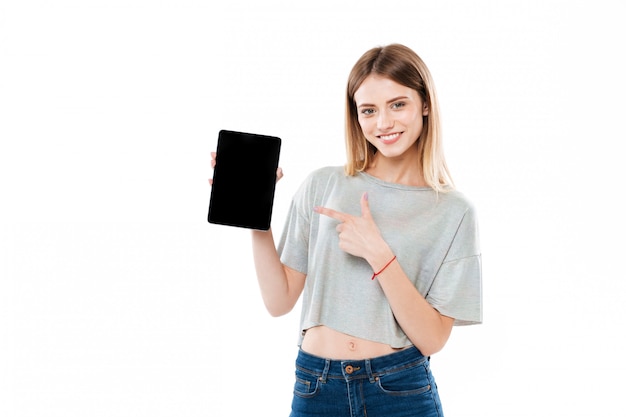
x=389, y=137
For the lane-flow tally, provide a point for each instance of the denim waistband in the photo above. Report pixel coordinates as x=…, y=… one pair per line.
x=362, y=368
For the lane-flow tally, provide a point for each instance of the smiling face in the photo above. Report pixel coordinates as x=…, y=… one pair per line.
x=390, y=116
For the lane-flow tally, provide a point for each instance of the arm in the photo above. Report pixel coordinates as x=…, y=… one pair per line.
x=427, y=329
x=280, y=285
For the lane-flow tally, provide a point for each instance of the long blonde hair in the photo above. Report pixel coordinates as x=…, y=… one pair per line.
x=402, y=65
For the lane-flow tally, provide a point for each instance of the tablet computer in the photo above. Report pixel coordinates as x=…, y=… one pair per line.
x=244, y=180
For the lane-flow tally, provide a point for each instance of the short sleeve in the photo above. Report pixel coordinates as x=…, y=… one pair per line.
x=293, y=246
x=457, y=288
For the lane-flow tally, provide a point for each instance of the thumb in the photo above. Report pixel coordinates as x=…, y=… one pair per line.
x=365, y=205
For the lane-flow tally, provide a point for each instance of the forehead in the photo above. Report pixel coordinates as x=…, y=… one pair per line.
x=376, y=88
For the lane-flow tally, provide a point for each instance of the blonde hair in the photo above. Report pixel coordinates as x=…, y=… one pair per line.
x=402, y=65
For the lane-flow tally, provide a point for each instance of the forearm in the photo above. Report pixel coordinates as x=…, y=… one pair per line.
x=427, y=329
x=274, y=280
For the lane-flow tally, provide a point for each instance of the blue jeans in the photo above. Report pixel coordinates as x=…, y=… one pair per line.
x=396, y=385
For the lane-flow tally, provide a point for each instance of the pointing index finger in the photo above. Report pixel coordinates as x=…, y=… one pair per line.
x=337, y=215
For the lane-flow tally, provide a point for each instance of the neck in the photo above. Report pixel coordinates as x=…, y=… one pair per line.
x=405, y=171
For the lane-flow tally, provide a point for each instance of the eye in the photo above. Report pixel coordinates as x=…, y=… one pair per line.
x=398, y=105
x=367, y=112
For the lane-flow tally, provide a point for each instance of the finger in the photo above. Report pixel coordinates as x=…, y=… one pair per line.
x=337, y=215
x=365, y=205
x=213, y=157
x=279, y=174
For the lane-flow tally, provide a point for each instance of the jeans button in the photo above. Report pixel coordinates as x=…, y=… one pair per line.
x=349, y=369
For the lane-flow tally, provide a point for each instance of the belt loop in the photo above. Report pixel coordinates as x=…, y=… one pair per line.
x=324, y=376
x=368, y=368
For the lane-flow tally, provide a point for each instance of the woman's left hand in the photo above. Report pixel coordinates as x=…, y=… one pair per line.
x=358, y=235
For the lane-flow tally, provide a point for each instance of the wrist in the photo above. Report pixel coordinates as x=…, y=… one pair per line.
x=381, y=270
x=380, y=258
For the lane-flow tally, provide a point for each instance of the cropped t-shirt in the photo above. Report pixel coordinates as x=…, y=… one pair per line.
x=434, y=236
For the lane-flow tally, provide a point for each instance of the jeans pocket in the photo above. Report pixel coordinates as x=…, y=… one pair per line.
x=413, y=380
x=306, y=385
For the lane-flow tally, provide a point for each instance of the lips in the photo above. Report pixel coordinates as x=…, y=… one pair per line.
x=391, y=138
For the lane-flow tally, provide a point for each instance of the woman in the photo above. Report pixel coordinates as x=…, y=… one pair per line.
x=383, y=251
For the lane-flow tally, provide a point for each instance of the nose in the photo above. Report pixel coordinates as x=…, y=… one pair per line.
x=384, y=121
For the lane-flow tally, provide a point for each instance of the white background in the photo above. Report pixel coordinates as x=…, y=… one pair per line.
x=117, y=298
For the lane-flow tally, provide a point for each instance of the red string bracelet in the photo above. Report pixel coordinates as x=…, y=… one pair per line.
x=384, y=267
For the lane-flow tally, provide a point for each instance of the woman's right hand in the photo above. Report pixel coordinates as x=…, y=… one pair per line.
x=213, y=156
x=279, y=171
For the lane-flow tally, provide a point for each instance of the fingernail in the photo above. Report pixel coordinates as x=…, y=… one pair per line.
x=366, y=196
x=316, y=209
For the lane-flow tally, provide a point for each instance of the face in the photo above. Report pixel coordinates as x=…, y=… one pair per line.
x=390, y=115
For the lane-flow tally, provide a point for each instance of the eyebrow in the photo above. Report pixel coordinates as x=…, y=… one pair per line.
x=388, y=101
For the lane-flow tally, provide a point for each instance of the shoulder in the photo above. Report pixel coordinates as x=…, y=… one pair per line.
x=462, y=218
x=318, y=182
x=324, y=175
x=327, y=172
x=454, y=201
x=456, y=198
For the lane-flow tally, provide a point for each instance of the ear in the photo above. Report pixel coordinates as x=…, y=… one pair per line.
x=425, y=110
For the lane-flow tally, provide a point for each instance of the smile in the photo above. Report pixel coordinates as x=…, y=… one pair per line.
x=388, y=139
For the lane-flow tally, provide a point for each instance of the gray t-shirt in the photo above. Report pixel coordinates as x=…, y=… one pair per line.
x=434, y=236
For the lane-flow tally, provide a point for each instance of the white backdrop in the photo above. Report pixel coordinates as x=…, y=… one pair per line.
x=117, y=298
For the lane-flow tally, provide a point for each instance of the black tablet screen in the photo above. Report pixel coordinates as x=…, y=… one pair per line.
x=244, y=180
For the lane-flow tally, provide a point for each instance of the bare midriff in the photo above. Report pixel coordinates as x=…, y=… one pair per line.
x=325, y=342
